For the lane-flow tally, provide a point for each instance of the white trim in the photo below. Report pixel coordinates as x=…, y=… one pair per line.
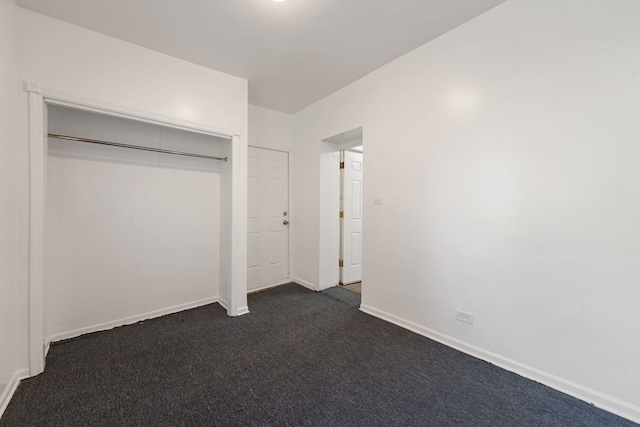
x=223, y=302
x=11, y=387
x=600, y=400
x=324, y=288
x=37, y=214
x=130, y=320
x=269, y=286
x=238, y=293
x=304, y=283
x=243, y=310
x=290, y=214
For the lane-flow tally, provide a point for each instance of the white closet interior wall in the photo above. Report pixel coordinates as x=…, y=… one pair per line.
x=131, y=234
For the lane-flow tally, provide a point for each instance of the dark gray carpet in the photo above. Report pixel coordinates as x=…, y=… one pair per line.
x=299, y=358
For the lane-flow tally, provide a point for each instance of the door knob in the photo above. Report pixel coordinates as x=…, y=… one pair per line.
x=285, y=222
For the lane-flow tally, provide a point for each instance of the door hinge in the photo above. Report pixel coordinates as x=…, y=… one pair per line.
x=341, y=263
x=341, y=165
x=341, y=214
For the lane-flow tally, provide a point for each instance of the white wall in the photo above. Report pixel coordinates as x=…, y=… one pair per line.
x=129, y=233
x=8, y=141
x=72, y=60
x=506, y=152
x=270, y=129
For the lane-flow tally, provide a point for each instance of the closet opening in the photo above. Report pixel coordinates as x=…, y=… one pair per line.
x=119, y=235
x=133, y=224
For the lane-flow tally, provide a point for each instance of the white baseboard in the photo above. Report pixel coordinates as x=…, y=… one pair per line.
x=324, y=288
x=11, y=387
x=128, y=320
x=265, y=287
x=304, y=283
x=242, y=311
x=223, y=302
x=600, y=400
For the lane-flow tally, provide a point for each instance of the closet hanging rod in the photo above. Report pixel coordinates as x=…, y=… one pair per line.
x=135, y=147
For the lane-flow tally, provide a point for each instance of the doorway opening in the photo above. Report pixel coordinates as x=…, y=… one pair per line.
x=341, y=216
x=351, y=170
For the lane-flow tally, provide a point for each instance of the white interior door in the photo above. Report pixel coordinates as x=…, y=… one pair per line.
x=267, y=228
x=352, y=234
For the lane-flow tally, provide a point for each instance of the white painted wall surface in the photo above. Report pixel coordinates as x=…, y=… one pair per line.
x=270, y=129
x=8, y=142
x=75, y=61
x=64, y=57
x=129, y=232
x=506, y=152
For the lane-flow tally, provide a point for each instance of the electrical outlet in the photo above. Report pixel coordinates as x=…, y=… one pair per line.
x=464, y=317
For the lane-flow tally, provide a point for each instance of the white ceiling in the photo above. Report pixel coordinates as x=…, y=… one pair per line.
x=293, y=53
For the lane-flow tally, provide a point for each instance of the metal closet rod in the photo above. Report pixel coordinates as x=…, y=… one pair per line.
x=135, y=147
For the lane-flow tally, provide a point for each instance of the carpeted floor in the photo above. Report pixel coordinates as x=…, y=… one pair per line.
x=299, y=358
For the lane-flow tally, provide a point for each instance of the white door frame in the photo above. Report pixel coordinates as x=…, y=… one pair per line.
x=236, y=286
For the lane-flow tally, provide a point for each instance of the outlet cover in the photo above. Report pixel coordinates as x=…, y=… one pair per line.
x=465, y=317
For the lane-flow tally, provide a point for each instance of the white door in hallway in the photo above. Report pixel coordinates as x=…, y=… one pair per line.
x=268, y=219
x=352, y=234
